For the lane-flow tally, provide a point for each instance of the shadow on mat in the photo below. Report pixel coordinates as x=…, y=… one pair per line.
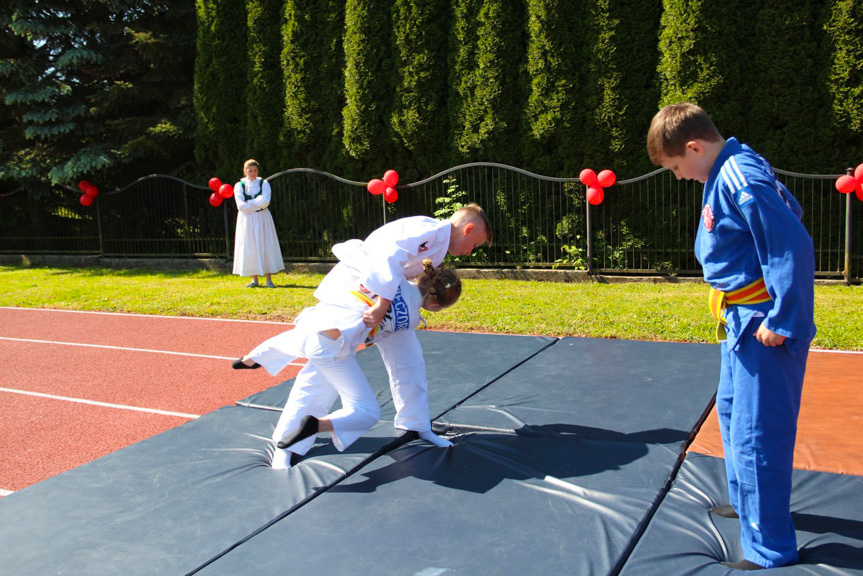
x=828, y=525
x=832, y=554
x=658, y=436
x=479, y=461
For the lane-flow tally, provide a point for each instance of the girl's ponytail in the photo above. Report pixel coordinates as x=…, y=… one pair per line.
x=440, y=283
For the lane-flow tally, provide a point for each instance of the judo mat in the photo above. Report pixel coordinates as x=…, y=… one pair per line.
x=565, y=453
x=684, y=538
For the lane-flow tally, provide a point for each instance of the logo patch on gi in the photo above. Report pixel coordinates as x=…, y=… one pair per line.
x=423, y=247
x=744, y=198
x=707, y=217
x=398, y=317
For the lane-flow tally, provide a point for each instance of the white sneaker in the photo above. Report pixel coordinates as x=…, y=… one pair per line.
x=252, y=284
x=270, y=284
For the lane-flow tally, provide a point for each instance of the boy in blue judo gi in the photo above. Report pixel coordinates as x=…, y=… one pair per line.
x=759, y=261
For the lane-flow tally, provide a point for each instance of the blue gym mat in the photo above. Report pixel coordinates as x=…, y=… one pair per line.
x=493, y=504
x=556, y=467
x=564, y=454
x=684, y=538
x=457, y=366
x=615, y=390
x=170, y=503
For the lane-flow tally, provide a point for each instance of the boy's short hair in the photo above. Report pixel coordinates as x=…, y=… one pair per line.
x=474, y=211
x=250, y=162
x=674, y=126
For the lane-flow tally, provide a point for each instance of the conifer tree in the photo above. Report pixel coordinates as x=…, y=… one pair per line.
x=706, y=56
x=221, y=86
x=419, y=115
x=555, y=121
x=485, y=75
x=368, y=82
x=102, y=89
x=265, y=96
x=314, y=84
x=845, y=79
x=791, y=104
x=620, y=87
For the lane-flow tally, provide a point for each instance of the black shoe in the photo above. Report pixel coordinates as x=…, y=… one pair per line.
x=239, y=365
x=308, y=427
x=743, y=565
x=725, y=511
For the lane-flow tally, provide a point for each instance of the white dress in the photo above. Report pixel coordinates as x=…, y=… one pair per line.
x=256, y=245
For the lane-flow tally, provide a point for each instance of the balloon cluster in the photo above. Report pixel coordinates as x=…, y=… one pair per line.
x=387, y=186
x=90, y=192
x=847, y=184
x=596, y=183
x=220, y=192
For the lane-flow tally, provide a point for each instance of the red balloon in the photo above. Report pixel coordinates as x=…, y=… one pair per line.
x=377, y=186
x=83, y=185
x=846, y=184
x=215, y=184
x=391, y=178
x=587, y=177
x=859, y=192
x=390, y=194
x=606, y=178
x=91, y=191
x=87, y=200
x=595, y=195
x=226, y=191
x=215, y=200
x=858, y=173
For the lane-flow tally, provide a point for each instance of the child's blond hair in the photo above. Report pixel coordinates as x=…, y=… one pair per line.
x=473, y=212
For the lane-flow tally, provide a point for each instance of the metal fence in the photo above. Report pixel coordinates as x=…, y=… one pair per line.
x=644, y=225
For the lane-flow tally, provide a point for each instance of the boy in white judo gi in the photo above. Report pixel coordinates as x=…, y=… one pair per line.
x=379, y=263
x=759, y=261
x=328, y=335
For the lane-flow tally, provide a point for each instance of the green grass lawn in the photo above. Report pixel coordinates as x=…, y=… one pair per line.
x=637, y=311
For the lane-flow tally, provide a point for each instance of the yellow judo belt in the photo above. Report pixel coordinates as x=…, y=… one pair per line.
x=363, y=298
x=754, y=293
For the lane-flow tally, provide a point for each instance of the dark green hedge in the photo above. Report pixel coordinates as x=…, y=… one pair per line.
x=265, y=97
x=221, y=79
x=551, y=86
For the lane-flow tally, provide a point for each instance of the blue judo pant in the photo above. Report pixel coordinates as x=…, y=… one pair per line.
x=757, y=402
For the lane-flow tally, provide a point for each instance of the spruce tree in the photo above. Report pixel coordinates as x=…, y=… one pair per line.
x=102, y=90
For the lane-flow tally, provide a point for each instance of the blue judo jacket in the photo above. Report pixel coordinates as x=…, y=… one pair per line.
x=750, y=228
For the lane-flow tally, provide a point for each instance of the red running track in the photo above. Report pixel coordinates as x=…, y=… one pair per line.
x=75, y=386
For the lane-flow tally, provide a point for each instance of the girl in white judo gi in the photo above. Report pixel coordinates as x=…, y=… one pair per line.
x=256, y=245
x=328, y=335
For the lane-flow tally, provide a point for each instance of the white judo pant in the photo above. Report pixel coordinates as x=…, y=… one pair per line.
x=331, y=372
x=403, y=357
